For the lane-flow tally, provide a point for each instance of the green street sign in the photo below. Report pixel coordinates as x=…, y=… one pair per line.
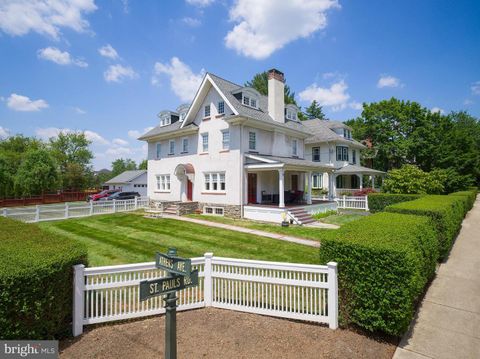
x=156, y=287
x=173, y=264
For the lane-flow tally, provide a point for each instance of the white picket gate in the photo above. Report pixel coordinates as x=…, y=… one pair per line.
x=288, y=290
x=53, y=212
x=349, y=202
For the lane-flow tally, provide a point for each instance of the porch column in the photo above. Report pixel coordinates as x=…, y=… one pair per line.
x=373, y=182
x=281, y=188
x=309, y=189
x=331, y=186
x=361, y=181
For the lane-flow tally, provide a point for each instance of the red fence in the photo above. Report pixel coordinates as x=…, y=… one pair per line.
x=46, y=198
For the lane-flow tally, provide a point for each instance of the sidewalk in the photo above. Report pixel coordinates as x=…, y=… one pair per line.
x=281, y=237
x=447, y=324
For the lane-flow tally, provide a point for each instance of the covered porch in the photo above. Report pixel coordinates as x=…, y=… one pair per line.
x=352, y=178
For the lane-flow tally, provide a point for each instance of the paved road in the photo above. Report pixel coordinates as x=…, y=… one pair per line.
x=447, y=324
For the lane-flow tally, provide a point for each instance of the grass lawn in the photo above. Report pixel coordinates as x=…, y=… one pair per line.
x=130, y=238
x=342, y=218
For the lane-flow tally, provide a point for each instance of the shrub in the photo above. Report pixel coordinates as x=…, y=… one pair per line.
x=410, y=179
x=378, y=201
x=364, y=192
x=319, y=191
x=447, y=212
x=384, y=262
x=470, y=198
x=36, y=281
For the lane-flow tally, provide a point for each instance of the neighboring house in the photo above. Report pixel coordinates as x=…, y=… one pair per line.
x=236, y=152
x=130, y=181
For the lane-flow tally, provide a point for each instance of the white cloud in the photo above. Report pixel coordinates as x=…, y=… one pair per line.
x=190, y=21
x=59, y=57
x=264, y=26
x=23, y=103
x=356, y=105
x=19, y=17
x=200, y=3
x=120, y=142
x=136, y=134
x=437, y=109
x=49, y=132
x=4, y=132
x=95, y=138
x=336, y=96
x=108, y=51
x=79, y=111
x=183, y=81
x=475, y=88
x=118, y=151
x=388, y=81
x=117, y=73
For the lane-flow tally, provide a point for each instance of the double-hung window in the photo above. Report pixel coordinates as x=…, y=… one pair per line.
x=158, y=150
x=163, y=182
x=317, y=180
x=342, y=153
x=246, y=100
x=207, y=111
x=294, y=148
x=225, y=140
x=184, y=145
x=215, y=182
x=252, y=141
x=204, y=142
x=221, y=108
x=316, y=154
x=171, y=147
x=354, y=157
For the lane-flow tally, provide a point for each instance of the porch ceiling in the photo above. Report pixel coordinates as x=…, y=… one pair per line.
x=265, y=163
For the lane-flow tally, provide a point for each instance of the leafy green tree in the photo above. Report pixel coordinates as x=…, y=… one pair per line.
x=73, y=156
x=260, y=83
x=314, y=111
x=143, y=165
x=121, y=165
x=410, y=179
x=37, y=173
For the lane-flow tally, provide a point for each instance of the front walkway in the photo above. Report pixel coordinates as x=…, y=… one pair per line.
x=447, y=324
x=306, y=242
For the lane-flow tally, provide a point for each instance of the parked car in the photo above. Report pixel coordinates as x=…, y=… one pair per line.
x=100, y=195
x=121, y=196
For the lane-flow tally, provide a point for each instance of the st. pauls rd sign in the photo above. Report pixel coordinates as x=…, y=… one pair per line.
x=155, y=287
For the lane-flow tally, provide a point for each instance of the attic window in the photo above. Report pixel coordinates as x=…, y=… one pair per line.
x=182, y=116
x=249, y=101
x=347, y=134
x=291, y=114
x=165, y=120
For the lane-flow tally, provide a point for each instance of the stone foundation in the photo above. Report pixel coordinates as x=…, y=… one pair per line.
x=184, y=208
x=229, y=211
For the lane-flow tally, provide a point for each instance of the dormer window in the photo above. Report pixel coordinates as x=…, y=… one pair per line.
x=182, y=116
x=347, y=134
x=165, y=120
x=253, y=103
x=249, y=101
x=291, y=112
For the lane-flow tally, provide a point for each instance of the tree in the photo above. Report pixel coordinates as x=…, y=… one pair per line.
x=314, y=111
x=260, y=83
x=410, y=179
x=121, y=165
x=143, y=165
x=37, y=173
x=72, y=154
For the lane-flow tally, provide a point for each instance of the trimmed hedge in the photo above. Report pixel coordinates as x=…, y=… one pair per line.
x=36, y=281
x=447, y=213
x=470, y=196
x=378, y=201
x=384, y=262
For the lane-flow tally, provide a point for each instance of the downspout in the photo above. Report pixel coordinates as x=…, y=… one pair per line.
x=242, y=175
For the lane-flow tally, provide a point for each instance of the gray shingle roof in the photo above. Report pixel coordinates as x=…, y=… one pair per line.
x=321, y=131
x=160, y=130
x=126, y=177
x=351, y=169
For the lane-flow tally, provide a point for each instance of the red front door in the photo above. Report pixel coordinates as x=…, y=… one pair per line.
x=252, y=188
x=189, y=190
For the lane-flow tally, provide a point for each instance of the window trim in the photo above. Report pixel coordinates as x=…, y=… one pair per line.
x=165, y=120
x=214, y=186
x=354, y=156
x=319, y=177
x=203, y=143
x=185, y=140
x=171, y=151
x=163, y=183
x=158, y=150
x=227, y=147
x=222, y=103
x=341, y=156
x=254, y=148
x=313, y=154
x=294, y=147
x=205, y=111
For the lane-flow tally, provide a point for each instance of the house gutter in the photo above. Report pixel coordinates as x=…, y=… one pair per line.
x=242, y=174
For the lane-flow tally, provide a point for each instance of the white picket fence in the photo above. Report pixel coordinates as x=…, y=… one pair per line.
x=348, y=202
x=52, y=212
x=287, y=290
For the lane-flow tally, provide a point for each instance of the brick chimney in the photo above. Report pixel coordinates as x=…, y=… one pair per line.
x=276, y=93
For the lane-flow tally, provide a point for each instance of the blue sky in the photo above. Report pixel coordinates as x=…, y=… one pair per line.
x=108, y=67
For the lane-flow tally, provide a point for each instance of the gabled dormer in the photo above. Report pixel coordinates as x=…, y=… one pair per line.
x=182, y=111
x=168, y=117
x=247, y=96
x=291, y=112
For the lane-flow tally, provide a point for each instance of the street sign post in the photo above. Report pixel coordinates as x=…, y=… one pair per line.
x=180, y=276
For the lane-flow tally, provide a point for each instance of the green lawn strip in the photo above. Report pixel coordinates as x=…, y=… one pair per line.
x=125, y=238
x=295, y=231
x=340, y=219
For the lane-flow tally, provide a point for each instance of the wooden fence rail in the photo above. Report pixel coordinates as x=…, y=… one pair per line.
x=46, y=199
x=287, y=290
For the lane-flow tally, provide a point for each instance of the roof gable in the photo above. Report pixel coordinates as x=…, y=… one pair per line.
x=126, y=176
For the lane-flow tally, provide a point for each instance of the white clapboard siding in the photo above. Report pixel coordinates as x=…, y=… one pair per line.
x=288, y=290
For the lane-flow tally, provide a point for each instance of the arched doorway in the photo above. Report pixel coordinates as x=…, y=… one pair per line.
x=186, y=175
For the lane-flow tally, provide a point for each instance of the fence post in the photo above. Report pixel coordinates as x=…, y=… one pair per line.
x=37, y=213
x=344, y=202
x=114, y=207
x=136, y=202
x=91, y=207
x=332, y=295
x=207, y=281
x=66, y=209
x=366, y=203
x=78, y=299
x=4, y=211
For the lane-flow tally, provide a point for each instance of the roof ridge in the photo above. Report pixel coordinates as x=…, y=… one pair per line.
x=221, y=78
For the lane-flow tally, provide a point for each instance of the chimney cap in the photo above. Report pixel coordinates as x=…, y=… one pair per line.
x=276, y=74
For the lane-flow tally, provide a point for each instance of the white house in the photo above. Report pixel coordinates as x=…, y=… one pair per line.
x=130, y=181
x=238, y=153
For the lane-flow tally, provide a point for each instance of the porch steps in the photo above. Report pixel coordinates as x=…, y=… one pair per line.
x=301, y=216
x=171, y=209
